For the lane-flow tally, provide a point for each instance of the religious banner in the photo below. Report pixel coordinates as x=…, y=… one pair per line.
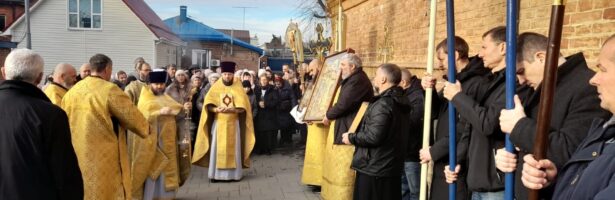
x=325, y=87
x=295, y=42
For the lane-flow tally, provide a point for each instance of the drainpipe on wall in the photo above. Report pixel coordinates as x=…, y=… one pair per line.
x=155, y=61
x=259, y=60
x=232, y=36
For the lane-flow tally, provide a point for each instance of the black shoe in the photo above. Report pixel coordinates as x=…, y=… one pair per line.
x=315, y=188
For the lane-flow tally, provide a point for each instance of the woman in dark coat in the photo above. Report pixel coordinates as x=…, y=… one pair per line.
x=287, y=102
x=247, y=86
x=266, y=120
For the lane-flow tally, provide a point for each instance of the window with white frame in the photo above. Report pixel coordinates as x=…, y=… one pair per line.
x=86, y=14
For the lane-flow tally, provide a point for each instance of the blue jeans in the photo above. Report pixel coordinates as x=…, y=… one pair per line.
x=410, y=185
x=488, y=195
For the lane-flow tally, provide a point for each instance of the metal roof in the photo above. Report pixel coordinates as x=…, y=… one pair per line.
x=151, y=20
x=191, y=30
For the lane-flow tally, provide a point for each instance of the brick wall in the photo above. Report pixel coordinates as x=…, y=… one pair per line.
x=245, y=59
x=587, y=24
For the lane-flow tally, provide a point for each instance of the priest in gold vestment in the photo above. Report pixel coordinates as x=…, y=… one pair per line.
x=226, y=121
x=316, y=138
x=154, y=164
x=96, y=109
x=133, y=90
x=64, y=77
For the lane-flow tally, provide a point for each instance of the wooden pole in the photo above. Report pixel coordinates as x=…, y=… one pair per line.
x=548, y=85
x=428, y=92
x=452, y=70
x=511, y=81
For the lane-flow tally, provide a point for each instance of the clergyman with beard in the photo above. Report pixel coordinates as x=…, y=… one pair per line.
x=225, y=122
x=163, y=114
x=64, y=77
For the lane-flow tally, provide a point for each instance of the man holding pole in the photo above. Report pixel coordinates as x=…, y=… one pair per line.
x=589, y=174
x=576, y=106
x=471, y=74
x=484, y=181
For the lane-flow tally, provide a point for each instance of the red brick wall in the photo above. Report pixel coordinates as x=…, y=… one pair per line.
x=245, y=59
x=587, y=24
x=10, y=15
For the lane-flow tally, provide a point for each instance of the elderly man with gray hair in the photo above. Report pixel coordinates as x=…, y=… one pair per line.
x=355, y=88
x=35, y=139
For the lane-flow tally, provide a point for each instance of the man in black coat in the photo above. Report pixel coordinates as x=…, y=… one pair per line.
x=471, y=74
x=412, y=166
x=380, y=146
x=483, y=179
x=589, y=174
x=38, y=159
x=355, y=89
x=575, y=106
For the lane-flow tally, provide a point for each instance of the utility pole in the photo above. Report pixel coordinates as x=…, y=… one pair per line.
x=244, y=14
x=27, y=15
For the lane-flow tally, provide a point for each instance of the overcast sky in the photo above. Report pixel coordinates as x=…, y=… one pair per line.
x=266, y=18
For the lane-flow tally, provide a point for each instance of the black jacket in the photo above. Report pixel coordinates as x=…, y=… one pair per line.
x=575, y=105
x=379, y=143
x=415, y=96
x=38, y=159
x=590, y=172
x=267, y=118
x=485, y=135
x=471, y=78
x=286, y=102
x=355, y=89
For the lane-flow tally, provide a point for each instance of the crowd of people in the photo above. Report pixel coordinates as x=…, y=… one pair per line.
x=84, y=134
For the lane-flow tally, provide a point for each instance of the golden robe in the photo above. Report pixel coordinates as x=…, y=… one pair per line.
x=337, y=177
x=93, y=107
x=225, y=138
x=133, y=90
x=149, y=158
x=314, y=154
x=55, y=93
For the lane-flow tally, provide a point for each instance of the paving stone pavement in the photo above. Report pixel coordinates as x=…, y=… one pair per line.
x=273, y=177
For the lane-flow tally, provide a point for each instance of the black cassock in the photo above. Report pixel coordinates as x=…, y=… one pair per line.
x=37, y=159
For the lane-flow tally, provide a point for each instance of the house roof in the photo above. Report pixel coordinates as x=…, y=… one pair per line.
x=194, y=30
x=142, y=11
x=151, y=19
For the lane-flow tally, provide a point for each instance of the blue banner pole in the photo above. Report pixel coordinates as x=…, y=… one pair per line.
x=452, y=131
x=511, y=81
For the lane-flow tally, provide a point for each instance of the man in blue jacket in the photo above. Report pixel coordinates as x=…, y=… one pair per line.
x=590, y=172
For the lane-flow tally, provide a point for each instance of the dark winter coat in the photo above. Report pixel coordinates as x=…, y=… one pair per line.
x=379, y=143
x=38, y=159
x=590, y=172
x=471, y=78
x=286, y=102
x=485, y=133
x=575, y=106
x=267, y=118
x=415, y=96
x=355, y=89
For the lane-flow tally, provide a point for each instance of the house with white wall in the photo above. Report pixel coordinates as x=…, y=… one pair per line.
x=71, y=31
